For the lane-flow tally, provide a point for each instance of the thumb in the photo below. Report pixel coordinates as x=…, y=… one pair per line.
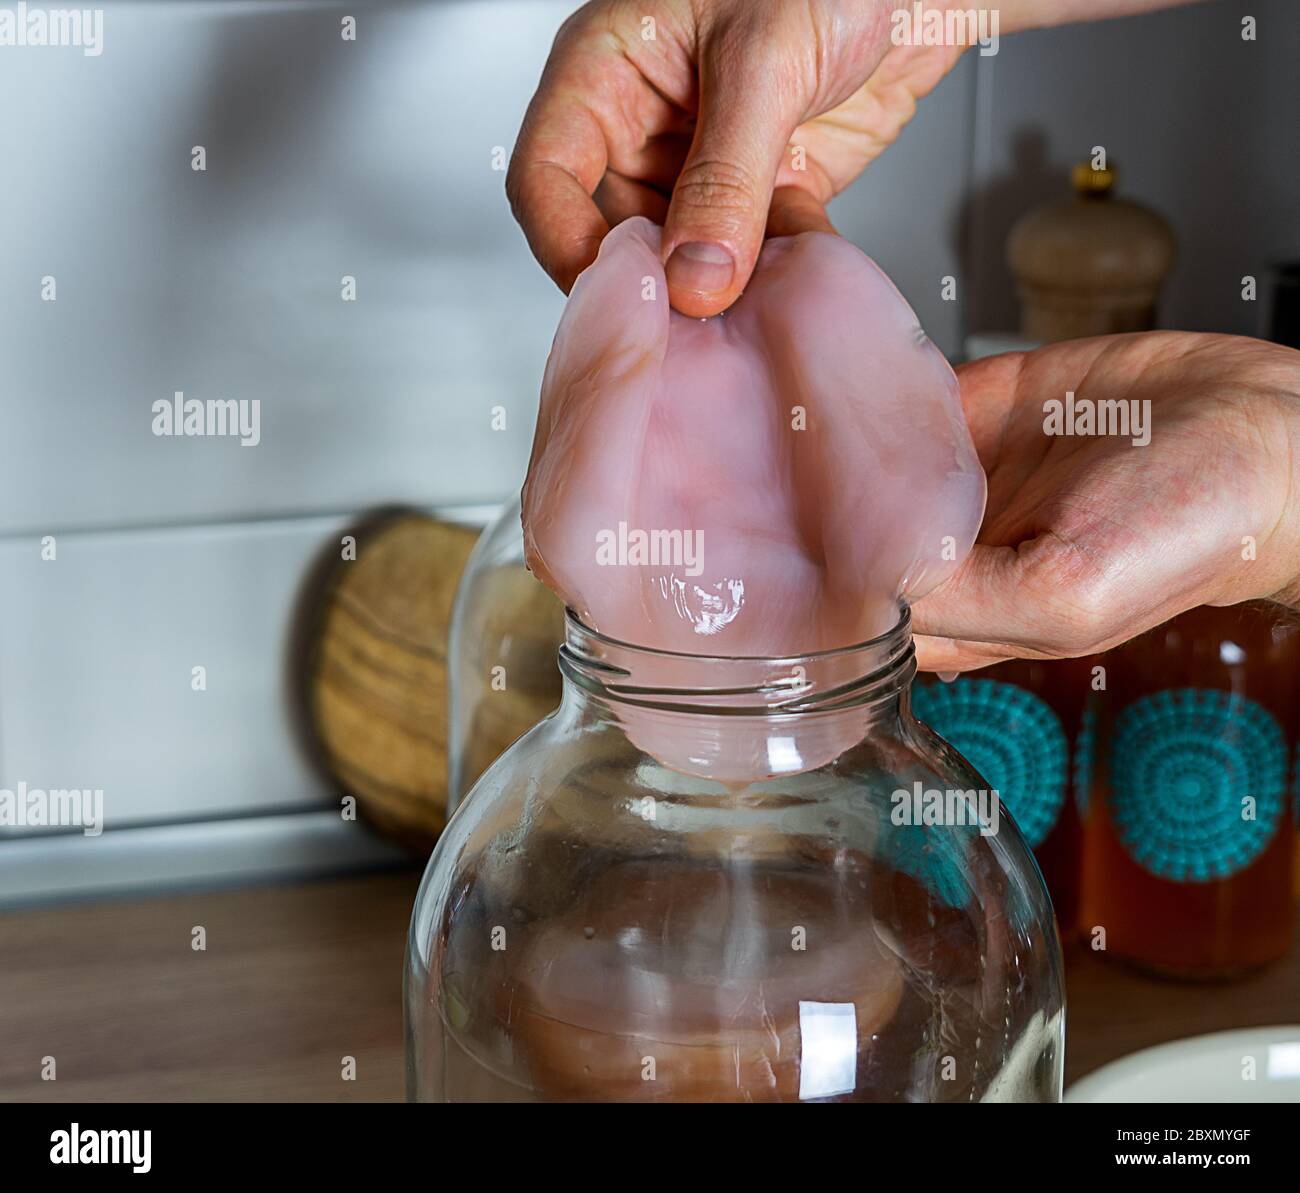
x=720, y=202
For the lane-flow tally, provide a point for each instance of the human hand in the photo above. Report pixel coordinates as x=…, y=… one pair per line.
x=1088, y=541
x=695, y=126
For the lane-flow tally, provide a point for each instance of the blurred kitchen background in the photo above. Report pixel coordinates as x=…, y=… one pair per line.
x=375, y=159
x=380, y=160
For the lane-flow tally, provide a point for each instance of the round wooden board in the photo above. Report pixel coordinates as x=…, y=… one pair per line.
x=377, y=672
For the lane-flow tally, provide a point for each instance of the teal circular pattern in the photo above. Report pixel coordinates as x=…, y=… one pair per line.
x=1182, y=763
x=1011, y=737
x=1084, y=747
x=935, y=860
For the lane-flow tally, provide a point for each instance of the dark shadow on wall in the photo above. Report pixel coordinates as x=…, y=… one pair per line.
x=984, y=222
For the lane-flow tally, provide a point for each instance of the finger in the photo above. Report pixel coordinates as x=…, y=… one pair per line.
x=988, y=397
x=556, y=166
x=796, y=210
x=947, y=656
x=657, y=162
x=1048, y=597
x=621, y=198
x=988, y=600
x=720, y=203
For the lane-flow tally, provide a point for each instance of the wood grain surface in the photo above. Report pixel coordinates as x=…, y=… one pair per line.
x=377, y=676
x=295, y=978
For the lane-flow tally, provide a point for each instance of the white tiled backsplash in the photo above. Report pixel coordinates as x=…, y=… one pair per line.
x=373, y=159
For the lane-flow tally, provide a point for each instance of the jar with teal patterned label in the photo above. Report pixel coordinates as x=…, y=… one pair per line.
x=1012, y=737
x=1187, y=842
x=1198, y=782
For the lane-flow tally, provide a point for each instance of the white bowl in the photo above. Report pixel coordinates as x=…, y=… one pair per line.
x=1214, y=1068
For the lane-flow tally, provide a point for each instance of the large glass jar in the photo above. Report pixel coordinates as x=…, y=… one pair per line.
x=501, y=677
x=598, y=925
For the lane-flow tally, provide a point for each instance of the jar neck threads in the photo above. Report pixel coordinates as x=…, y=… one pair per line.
x=738, y=719
x=737, y=685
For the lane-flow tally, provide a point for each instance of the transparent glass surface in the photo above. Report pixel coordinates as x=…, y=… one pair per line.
x=597, y=926
x=1019, y=724
x=501, y=675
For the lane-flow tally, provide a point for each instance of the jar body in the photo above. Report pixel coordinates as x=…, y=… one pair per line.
x=595, y=926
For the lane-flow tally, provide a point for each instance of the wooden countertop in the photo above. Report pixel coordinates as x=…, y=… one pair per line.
x=295, y=978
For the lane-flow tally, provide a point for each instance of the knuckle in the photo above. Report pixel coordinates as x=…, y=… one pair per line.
x=575, y=26
x=716, y=185
x=1081, y=596
x=514, y=183
x=515, y=187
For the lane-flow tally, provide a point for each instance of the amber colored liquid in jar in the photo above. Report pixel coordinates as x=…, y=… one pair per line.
x=1196, y=714
x=994, y=729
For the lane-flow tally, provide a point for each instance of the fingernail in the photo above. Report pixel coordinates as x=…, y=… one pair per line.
x=700, y=266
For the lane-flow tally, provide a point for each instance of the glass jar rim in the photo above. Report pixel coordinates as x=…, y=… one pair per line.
x=820, y=681
x=901, y=628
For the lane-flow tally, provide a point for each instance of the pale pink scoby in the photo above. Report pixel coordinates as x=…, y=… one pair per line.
x=792, y=469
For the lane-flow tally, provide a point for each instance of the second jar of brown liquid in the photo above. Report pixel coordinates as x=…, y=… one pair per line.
x=1188, y=837
x=1017, y=723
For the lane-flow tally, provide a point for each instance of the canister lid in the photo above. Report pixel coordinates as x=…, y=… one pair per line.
x=1088, y=180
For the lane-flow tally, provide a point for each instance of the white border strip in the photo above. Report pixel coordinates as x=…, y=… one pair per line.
x=198, y=853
